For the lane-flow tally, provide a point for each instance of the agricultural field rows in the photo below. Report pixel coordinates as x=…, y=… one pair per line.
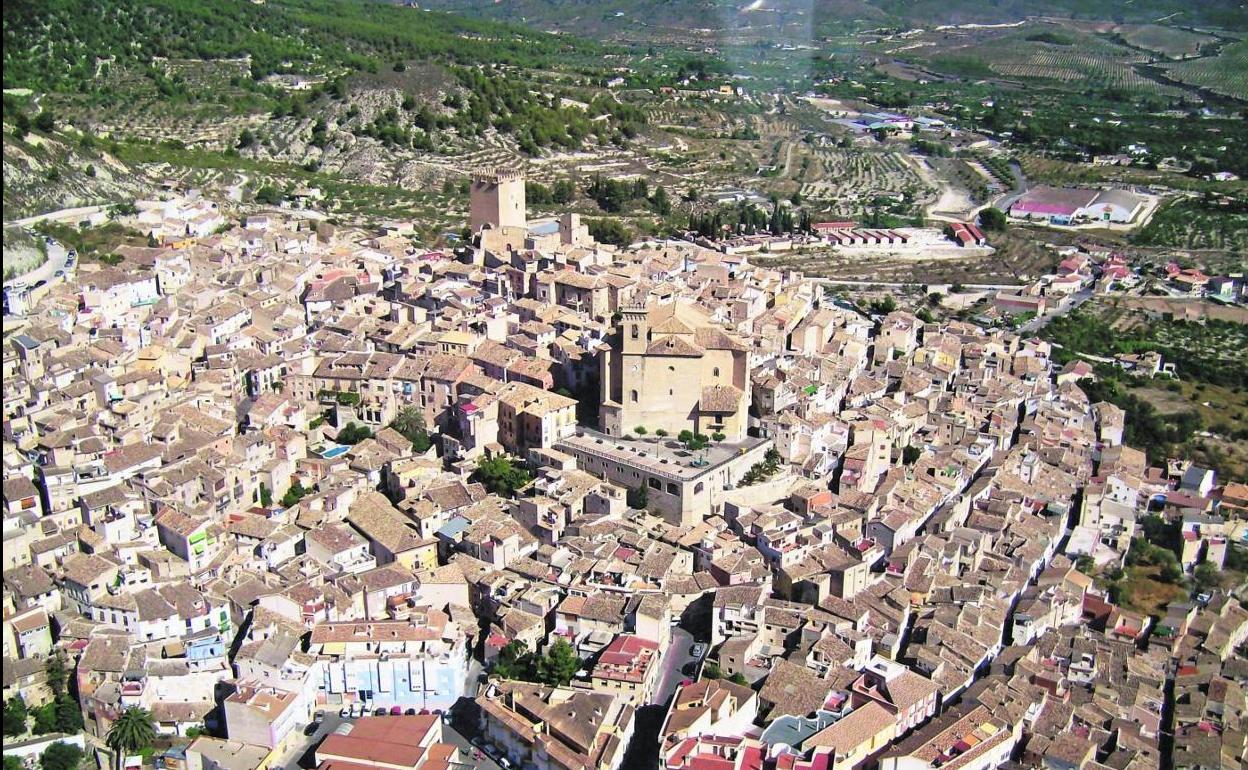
x=1084, y=69
x=849, y=179
x=1226, y=74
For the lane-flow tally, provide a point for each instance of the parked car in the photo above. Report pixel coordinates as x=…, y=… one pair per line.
x=697, y=650
x=311, y=728
x=410, y=712
x=396, y=711
x=381, y=712
x=318, y=717
x=59, y=274
x=686, y=682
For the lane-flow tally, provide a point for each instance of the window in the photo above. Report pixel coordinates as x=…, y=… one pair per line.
x=697, y=489
x=636, y=332
x=715, y=372
x=672, y=489
x=654, y=484
x=633, y=395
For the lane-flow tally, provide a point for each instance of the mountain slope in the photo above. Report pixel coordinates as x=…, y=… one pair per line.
x=730, y=19
x=58, y=45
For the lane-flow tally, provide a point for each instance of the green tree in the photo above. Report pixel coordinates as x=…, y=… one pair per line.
x=1205, y=576
x=293, y=494
x=45, y=121
x=609, y=231
x=15, y=715
x=910, y=455
x=266, y=496
x=68, y=715
x=501, y=475
x=514, y=661
x=711, y=670
x=637, y=497
x=992, y=218
x=1085, y=563
x=45, y=719
x=268, y=195
x=21, y=127
x=640, y=430
x=11, y=762
x=61, y=756
x=133, y=731
x=57, y=675
x=353, y=434
x=739, y=678
x=411, y=423
x=559, y=665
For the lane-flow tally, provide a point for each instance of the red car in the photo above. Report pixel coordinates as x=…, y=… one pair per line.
x=396, y=711
x=686, y=682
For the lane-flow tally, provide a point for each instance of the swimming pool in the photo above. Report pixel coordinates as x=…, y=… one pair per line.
x=334, y=450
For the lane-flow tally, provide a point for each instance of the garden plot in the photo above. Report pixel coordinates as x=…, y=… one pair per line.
x=848, y=180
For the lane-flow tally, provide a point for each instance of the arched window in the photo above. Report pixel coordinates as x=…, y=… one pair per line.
x=633, y=394
x=672, y=489
x=715, y=372
x=636, y=331
x=697, y=488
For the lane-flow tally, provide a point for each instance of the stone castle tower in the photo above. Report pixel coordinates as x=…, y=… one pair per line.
x=497, y=200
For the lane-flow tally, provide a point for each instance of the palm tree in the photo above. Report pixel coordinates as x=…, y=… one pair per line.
x=133, y=731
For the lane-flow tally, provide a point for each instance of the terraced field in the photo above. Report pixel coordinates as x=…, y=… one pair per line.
x=1225, y=74
x=847, y=180
x=1085, y=69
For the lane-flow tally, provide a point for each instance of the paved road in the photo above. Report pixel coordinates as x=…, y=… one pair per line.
x=64, y=215
x=677, y=657
x=1039, y=322
x=57, y=254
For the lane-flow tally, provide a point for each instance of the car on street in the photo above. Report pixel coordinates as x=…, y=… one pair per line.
x=344, y=712
x=697, y=650
x=59, y=274
x=381, y=712
x=686, y=682
x=396, y=711
x=410, y=712
x=311, y=728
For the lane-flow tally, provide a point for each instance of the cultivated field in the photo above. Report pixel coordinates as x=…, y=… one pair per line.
x=1167, y=41
x=1226, y=73
x=847, y=180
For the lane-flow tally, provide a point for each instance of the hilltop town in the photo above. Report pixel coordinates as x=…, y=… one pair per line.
x=286, y=493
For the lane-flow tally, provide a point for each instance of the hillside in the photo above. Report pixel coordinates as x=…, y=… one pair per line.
x=61, y=45
x=730, y=21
